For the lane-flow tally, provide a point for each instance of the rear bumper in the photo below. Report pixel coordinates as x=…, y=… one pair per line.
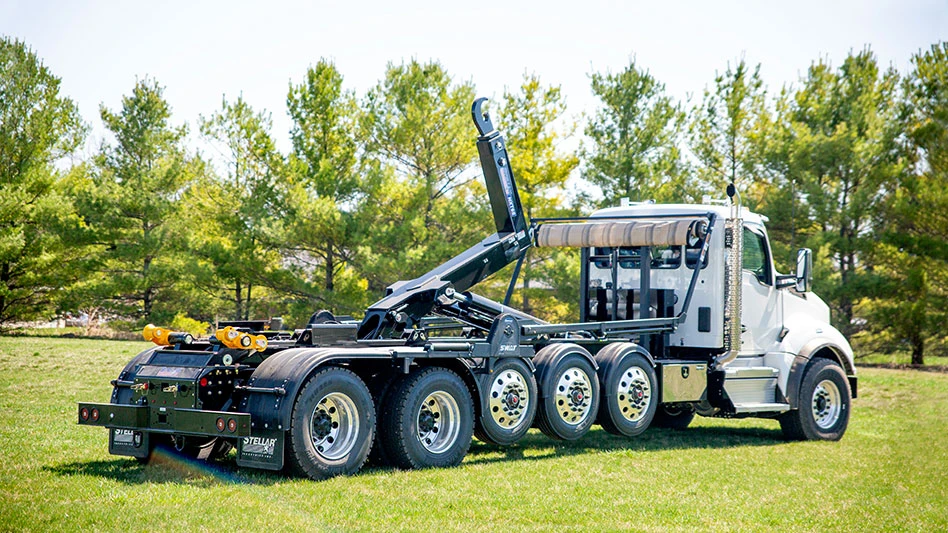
x=164, y=420
x=132, y=427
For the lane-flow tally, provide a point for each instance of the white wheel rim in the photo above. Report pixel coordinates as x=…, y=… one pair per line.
x=509, y=399
x=826, y=403
x=573, y=396
x=334, y=426
x=439, y=422
x=634, y=394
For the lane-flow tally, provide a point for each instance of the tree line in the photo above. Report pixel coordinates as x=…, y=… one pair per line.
x=850, y=160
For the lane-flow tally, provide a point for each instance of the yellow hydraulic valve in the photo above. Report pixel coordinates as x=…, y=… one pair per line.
x=239, y=340
x=164, y=336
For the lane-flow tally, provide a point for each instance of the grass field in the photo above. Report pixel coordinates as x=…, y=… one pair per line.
x=890, y=471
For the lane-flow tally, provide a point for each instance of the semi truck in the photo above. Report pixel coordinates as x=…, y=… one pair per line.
x=682, y=313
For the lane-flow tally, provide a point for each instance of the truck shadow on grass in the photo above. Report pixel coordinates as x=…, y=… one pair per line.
x=168, y=467
x=653, y=440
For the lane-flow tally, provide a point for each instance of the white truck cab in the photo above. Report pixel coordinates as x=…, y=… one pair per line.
x=785, y=330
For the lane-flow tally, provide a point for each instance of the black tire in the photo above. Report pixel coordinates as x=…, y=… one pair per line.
x=332, y=426
x=428, y=420
x=673, y=416
x=511, y=403
x=629, y=390
x=823, y=406
x=570, y=392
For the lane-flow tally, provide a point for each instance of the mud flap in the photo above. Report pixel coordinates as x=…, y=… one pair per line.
x=262, y=449
x=129, y=442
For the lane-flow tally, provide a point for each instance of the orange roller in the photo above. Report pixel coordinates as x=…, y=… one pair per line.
x=156, y=334
x=259, y=343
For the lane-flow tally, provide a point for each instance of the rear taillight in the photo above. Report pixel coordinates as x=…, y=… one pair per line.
x=221, y=424
x=94, y=414
x=231, y=425
x=84, y=413
x=203, y=382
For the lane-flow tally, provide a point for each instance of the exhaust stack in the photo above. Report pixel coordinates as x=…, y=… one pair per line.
x=734, y=241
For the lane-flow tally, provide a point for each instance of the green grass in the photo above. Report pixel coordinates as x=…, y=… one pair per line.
x=888, y=472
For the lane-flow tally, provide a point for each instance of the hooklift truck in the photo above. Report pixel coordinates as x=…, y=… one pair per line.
x=682, y=313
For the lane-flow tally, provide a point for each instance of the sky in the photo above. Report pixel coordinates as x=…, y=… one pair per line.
x=203, y=51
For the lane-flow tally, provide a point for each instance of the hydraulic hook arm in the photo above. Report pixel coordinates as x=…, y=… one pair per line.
x=407, y=302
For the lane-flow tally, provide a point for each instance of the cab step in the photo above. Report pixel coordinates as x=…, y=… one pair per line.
x=751, y=385
x=761, y=407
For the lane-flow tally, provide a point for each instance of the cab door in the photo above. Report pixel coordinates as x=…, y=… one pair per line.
x=760, y=299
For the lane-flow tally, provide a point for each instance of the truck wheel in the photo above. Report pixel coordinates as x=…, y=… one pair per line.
x=823, y=406
x=333, y=424
x=511, y=403
x=673, y=417
x=630, y=391
x=571, y=395
x=428, y=420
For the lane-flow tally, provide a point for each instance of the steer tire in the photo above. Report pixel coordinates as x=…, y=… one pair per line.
x=428, y=420
x=333, y=425
x=823, y=405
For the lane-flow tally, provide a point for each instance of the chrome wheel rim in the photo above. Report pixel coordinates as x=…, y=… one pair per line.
x=509, y=399
x=573, y=396
x=634, y=394
x=439, y=422
x=827, y=405
x=334, y=425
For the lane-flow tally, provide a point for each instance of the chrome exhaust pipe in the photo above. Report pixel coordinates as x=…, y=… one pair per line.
x=733, y=279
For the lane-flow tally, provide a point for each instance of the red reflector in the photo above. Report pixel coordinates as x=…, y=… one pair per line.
x=145, y=386
x=84, y=413
x=220, y=424
x=203, y=382
x=95, y=414
x=232, y=425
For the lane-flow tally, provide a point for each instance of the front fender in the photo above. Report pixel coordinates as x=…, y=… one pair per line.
x=807, y=335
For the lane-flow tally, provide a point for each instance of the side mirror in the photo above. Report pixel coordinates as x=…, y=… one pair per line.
x=804, y=269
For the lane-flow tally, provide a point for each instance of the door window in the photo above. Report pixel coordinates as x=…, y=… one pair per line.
x=755, y=255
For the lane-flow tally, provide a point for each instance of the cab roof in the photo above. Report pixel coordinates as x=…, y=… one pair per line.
x=643, y=208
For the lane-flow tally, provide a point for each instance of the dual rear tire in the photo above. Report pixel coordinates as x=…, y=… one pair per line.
x=570, y=391
x=427, y=421
x=511, y=403
x=333, y=425
x=630, y=390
